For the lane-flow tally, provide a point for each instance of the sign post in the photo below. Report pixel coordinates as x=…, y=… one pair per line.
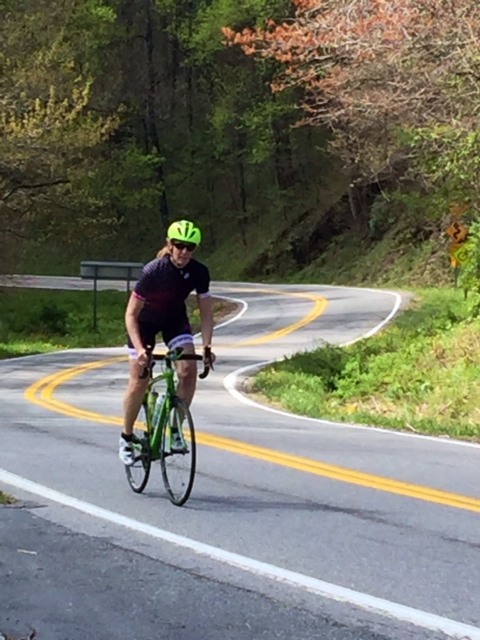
x=458, y=232
x=92, y=270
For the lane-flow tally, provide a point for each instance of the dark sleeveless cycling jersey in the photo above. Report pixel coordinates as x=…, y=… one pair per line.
x=164, y=288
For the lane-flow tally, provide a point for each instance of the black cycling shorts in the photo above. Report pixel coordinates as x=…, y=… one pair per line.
x=169, y=331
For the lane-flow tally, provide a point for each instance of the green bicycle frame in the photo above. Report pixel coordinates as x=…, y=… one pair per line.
x=154, y=429
x=163, y=438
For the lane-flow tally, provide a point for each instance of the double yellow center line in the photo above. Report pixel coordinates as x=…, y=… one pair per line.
x=42, y=393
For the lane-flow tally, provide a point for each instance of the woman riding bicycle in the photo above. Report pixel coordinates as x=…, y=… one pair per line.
x=157, y=305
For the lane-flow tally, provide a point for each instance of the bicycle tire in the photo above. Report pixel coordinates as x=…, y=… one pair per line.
x=139, y=472
x=178, y=467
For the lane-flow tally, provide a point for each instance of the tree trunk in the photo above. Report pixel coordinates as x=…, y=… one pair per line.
x=283, y=155
x=151, y=119
x=243, y=217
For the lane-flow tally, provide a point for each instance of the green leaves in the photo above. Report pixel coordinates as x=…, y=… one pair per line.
x=126, y=182
x=422, y=373
x=51, y=128
x=470, y=273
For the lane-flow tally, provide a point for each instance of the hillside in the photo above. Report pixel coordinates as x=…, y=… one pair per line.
x=317, y=247
x=325, y=247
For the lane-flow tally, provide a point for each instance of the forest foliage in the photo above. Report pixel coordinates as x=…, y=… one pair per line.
x=397, y=82
x=119, y=116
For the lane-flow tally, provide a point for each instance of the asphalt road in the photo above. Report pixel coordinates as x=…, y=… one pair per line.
x=296, y=528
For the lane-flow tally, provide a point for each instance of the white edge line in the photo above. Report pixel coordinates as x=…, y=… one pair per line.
x=230, y=382
x=238, y=315
x=365, y=601
x=370, y=603
x=379, y=327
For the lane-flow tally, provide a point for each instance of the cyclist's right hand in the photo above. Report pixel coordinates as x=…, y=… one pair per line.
x=143, y=358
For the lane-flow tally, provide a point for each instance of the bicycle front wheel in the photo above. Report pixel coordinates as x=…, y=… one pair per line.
x=178, y=453
x=139, y=472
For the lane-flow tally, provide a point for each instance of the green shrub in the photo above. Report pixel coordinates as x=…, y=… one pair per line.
x=421, y=373
x=51, y=319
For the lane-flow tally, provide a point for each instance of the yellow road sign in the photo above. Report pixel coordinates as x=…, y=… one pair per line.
x=454, y=262
x=463, y=254
x=453, y=246
x=457, y=231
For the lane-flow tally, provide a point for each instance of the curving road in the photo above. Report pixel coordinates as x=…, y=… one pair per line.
x=296, y=528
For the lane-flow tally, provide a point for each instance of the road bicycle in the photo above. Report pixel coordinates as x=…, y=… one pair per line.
x=168, y=433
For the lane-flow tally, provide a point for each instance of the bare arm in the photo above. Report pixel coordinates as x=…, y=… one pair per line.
x=206, y=316
x=135, y=305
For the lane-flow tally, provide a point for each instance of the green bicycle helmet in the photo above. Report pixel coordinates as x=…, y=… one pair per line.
x=185, y=231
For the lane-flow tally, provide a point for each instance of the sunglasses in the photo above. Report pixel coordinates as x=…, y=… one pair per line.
x=189, y=246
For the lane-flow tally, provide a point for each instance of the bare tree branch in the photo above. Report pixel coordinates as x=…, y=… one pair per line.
x=27, y=187
x=370, y=69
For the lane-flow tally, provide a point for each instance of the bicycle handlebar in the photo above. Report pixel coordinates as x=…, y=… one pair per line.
x=176, y=354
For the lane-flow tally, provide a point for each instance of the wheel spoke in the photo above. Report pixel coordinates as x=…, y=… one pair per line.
x=178, y=461
x=139, y=472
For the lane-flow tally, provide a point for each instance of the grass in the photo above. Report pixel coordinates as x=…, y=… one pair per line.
x=36, y=321
x=6, y=499
x=420, y=374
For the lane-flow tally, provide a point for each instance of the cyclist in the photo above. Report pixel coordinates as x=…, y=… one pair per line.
x=157, y=305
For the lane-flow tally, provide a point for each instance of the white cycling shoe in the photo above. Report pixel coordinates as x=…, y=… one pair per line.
x=126, y=452
x=178, y=444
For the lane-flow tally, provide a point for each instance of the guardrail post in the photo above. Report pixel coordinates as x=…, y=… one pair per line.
x=95, y=277
x=93, y=270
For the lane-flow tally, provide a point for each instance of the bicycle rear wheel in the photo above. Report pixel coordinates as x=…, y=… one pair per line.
x=139, y=472
x=178, y=463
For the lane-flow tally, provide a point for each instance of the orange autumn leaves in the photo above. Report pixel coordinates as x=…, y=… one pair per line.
x=368, y=49
x=369, y=68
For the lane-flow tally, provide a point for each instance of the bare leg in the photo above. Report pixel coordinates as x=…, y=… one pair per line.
x=187, y=376
x=133, y=396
